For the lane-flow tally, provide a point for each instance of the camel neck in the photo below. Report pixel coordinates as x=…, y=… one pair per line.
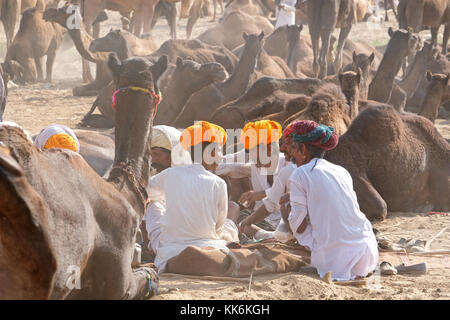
x=82, y=41
x=432, y=102
x=415, y=75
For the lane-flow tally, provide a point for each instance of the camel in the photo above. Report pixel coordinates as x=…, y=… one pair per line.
x=251, y=7
x=362, y=63
x=266, y=96
x=271, y=66
x=416, y=14
x=236, y=22
x=204, y=102
x=125, y=44
x=35, y=39
x=328, y=106
x=82, y=41
x=169, y=9
x=436, y=90
x=326, y=16
x=198, y=51
x=398, y=162
x=179, y=90
x=93, y=229
x=4, y=78
x=381, y=87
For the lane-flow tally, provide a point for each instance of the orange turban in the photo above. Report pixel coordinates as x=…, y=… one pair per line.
x=62, y=141
x=202, y=131
x=263, y=131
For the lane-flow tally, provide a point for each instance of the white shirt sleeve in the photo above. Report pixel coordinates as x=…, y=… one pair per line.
x=299, y=208
x=234, y=170
x=222, y=203
x=155, y=188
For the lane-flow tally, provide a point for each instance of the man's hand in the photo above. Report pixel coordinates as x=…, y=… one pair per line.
x=244, y=224
x=250, y=197
x=284, y=199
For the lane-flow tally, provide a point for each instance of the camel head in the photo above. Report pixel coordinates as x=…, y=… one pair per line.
x=402, y=39
x=113, y=41
x=135, y=105
x=438, y=84
x=63, y=15
x=211, y=72
x=253, y=45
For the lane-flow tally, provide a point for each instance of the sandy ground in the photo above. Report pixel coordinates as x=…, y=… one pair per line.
x=39, y=105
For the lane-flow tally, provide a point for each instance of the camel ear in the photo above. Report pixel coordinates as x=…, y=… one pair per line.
x=245, y=36
x=159, y=67
x=390, y=32
x=261, y=35
x=115, y=65
x=300, y=28
x=429, y=76
x=341, y=75
x=354, y=56
x=372, y=57
x=179, y=62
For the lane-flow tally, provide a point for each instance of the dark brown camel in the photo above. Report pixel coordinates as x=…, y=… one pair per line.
x=89, y=233
x=436, y=91
x=169, y=10
x=326, y=16
x=35, y=39
x=82, y=41
x=266, y=96
x=398, y=162
x=203, y=103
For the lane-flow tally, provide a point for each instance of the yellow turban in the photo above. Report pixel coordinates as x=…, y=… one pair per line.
x=62, y=141
x=202, y=131
x=263, y=131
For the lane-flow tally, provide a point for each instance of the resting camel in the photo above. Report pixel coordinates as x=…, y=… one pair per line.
x=92, y=229
x=436, y=90
x=237, y=22
x=82, y=41
x=124, y=44
x=3, y=92
x=251, y=7
x=398, y=162
x=381, y=87
x=417, y=14
x=265, y=97
x=35, y=39
x=326, y=16
x=204, y=102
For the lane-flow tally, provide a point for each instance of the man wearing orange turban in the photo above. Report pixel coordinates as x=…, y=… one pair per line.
x=325, y=216
x=197, y=211
x=57, y=136
x=260, y=140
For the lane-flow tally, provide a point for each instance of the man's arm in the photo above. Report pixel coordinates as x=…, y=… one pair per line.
x=234, y=170
x=299, y=208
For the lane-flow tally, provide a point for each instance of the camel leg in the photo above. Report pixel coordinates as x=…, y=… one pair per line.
x=440, y=189
x=215, y=11
x=194, y=14
x=40, y=73
x=325, y=35
x=434, y=33
x=343, y=35
x=138, y=22
x=445, y=41
x=386, y=16
x=315, y=46
x=49, y=65
x=172, y=20
x=370, y=201
x=87, y=75
x=147, y=18
x=157, y=14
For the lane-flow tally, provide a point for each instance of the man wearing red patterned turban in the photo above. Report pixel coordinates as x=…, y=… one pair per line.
x=325, y=215
x=197, y=210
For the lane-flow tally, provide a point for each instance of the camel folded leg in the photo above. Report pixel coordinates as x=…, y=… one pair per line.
x=370, y=201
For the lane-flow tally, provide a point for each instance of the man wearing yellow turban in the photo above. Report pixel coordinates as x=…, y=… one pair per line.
x=57, y=136
x=197, y=211
x=260, y=140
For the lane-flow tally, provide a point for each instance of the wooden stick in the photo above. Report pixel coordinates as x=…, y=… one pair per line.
x=429, y=253
x=354, y=283
x=205, y=278
x=427, y=246
x=250, y=284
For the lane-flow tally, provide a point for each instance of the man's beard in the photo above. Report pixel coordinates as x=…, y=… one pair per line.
x=158, y=167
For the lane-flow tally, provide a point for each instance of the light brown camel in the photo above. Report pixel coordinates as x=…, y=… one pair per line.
x=35, y=39
x=436, y=91
x=237, y=22
x=328, y=106
x=271, y=66
x=417, y=14
x=82, y=41
x=124, y=44
x=364, y=64
x=198, y=51
x=381, y=87
x=168, y=8
x=266, y=96
x=4, y=78
x=251, y=7
x=203, y=103
x=398, y=162
x=91, y=231
x=326, y=15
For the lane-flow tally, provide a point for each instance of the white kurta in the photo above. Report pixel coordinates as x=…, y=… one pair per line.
x=279, y=188
x=338, y=234
x=196, y=211
x=286, y=16
x=258, y=178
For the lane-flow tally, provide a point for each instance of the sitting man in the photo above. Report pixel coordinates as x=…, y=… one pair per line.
x=325, y=215
x=165, y=139
x=57, y=136
x=260, y=140
x=197, y=209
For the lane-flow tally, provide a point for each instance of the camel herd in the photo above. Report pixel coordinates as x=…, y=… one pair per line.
x=62, y=209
